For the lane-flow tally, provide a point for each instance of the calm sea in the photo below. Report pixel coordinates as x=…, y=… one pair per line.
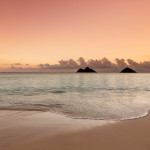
x=110, y=96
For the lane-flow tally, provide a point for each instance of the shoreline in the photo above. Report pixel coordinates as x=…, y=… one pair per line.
x=71, y=117
x=61, y=133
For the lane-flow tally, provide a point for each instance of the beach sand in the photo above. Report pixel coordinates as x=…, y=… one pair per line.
x=49, y=131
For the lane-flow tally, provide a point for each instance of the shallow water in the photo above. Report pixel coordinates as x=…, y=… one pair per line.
x=110, y=96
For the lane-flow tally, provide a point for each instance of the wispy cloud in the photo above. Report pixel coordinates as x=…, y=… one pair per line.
x=17, y=64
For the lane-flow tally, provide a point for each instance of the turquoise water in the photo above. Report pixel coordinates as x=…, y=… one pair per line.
x=95, y=96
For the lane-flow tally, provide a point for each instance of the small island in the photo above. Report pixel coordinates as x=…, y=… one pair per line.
x=128, y=70
x=86, y=70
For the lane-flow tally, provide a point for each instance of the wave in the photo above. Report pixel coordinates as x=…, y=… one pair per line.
x=43, y=108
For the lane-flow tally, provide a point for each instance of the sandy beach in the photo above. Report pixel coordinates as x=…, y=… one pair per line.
x=44, y=130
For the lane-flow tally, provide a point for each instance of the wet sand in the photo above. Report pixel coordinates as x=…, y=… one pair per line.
x=19, y=127
x=48, y=131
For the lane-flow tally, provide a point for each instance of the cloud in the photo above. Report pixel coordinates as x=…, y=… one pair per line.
x=17, y=64
x=120, y=63
x=132, y=63
x=82, y=62
x=13, y=67
x=101, y=65
x=68, y=64
x=20, y=69
x=62, y=64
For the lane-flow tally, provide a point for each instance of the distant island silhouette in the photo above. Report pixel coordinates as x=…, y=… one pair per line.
x=86, y=70
x=128, y=70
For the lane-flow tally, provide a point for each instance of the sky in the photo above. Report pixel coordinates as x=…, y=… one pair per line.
x=34, y=32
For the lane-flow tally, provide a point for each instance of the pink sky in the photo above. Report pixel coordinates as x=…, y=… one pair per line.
x=46, y=31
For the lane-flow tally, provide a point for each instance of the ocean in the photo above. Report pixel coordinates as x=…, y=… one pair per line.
x=107, y=96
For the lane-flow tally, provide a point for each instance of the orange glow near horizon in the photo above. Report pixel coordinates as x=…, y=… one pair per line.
x=46, y=31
